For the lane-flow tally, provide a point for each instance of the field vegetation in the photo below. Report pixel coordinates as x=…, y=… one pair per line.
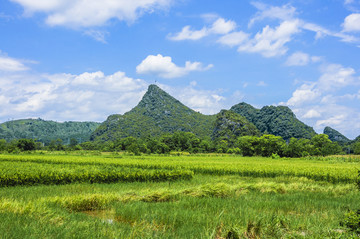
x=87, y=194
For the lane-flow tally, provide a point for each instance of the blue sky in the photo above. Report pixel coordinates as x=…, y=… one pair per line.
x=76, y=60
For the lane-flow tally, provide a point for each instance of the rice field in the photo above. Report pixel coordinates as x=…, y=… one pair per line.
x=48, y=195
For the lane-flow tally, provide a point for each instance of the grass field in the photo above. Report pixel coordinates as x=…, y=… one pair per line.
x=197, y=196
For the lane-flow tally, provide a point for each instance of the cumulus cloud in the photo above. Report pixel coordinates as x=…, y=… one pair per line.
x=271, y=42
x=352, y=23
x=220, y=26
x=298, y=59
x=321, y=103
x=78, y=13
x=11, y=64
x=304, y=94
x=87, y=96
x=284, y=13
x=188, y=34
x=203, y=101
x=301, y=59
x=233, y=38
x=163, y=66
x=311, y=114
x=336, y=76
x=288, y=13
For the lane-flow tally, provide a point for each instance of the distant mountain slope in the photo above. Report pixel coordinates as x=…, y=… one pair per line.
x=156, y=114
x=276, y=120
x=230, y=125
x=336, y=136
x=45, y=131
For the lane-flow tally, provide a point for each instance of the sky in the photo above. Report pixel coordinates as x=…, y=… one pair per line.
x=77, y=60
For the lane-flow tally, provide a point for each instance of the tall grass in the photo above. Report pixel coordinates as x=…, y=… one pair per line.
x=331, y=171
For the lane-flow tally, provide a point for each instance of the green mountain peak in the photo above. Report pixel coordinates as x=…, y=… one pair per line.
x=156, y=114
x=336, y=136
x=156, y=100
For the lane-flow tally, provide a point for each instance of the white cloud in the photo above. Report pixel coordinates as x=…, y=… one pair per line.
x=79, y=13
x=333, y=78
x=233, y=38
x=311, y=114
x=188, y=34
x=284, y=13
x=203, y=101
x=271, y=42
x=220, y=26
x=163, y=66
x=11, y=64
x=288, y=12
x=87, y=96
x=322, y=32
x=298, y=59
x=88, y=78
x=98, y=35
x=336, y=76
x=352, y=23
x=306, y=93
x=335, y=120
x=323, y=102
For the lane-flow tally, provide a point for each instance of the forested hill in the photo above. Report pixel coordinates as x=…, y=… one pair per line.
x=276, y=120
x=156, y=114
x=159, y=113
x=45, y=131
x=230, y=126
x=336, y=136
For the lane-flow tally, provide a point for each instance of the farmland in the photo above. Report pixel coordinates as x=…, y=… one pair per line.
x=93, y=195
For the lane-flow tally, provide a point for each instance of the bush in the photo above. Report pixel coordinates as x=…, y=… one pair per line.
x=352, y=221
x=26, y=144
x=352, y=218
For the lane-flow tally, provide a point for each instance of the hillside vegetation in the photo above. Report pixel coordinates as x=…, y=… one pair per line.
x=45, y=131
x=276, y=120
x=196, y=196
x=158, y=113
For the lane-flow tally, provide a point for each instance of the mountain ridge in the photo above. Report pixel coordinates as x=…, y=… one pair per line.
x=159, y=113
x=46, y=130
x=156, y=114
x=276, y=120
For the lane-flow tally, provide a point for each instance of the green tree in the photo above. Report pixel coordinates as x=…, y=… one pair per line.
x=357, y=148
x=323, y=145
x=26, y=144
x=298, y=148
x=3, y=144
x=248, y=145
x=133, y=148
x=271, y=144
x=56, y=145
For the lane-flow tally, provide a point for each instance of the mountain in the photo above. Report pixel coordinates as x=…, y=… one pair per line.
x=336, y=136
x=230, y=125
x=156, y=114
x=45, y=131
x=276, y=120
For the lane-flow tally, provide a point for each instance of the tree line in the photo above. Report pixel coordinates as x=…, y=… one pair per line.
x=266, y=145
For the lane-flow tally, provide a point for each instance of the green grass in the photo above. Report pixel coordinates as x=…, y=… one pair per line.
x=210, y=205
x=318, y=169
